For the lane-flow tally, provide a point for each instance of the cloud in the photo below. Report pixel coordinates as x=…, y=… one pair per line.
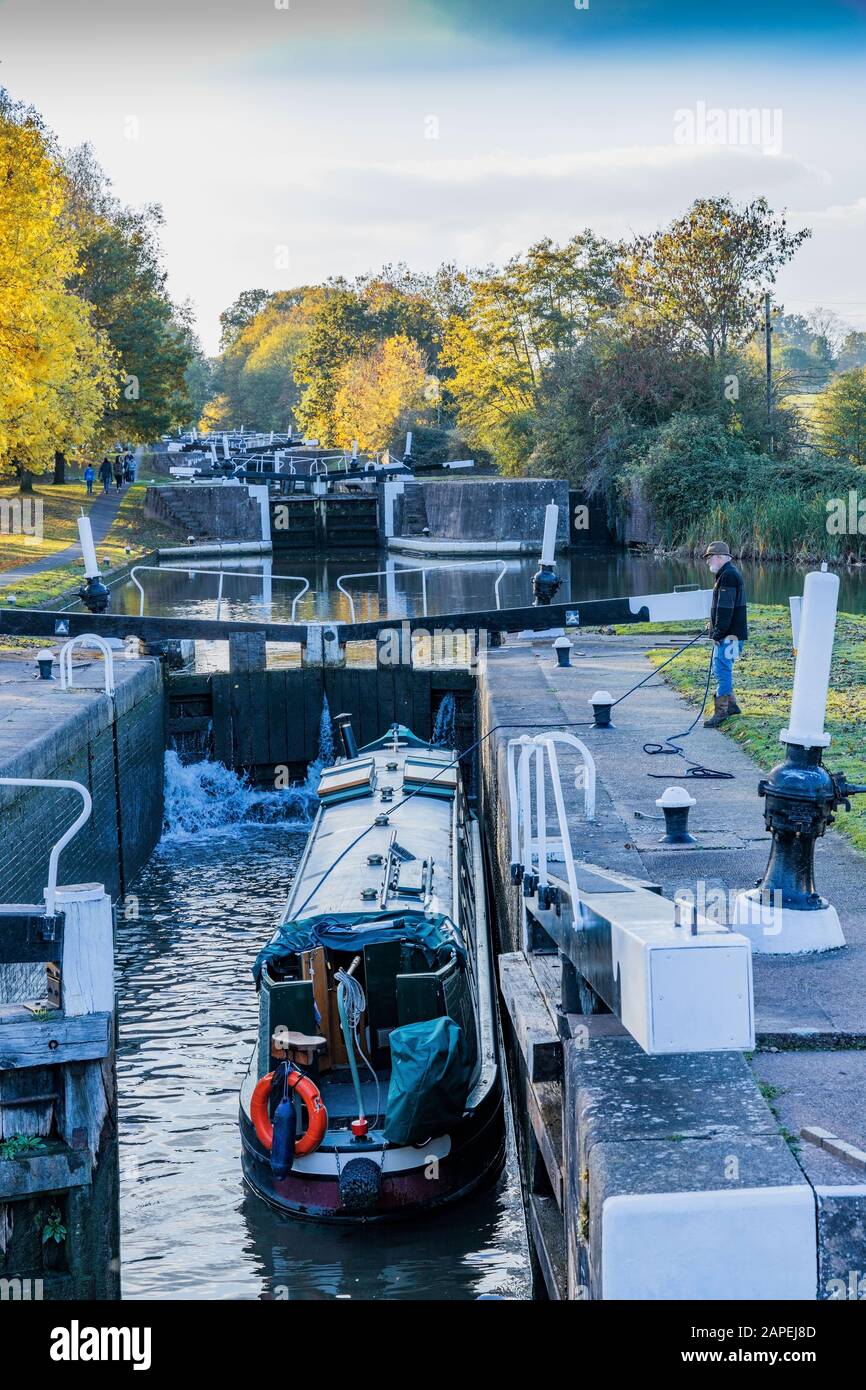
x=580, y=188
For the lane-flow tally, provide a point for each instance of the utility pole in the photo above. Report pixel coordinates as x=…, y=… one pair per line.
x=768, y=340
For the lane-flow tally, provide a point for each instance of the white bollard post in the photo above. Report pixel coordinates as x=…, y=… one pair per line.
x=814, y=655
x=785, y=914
x=548, y=544
x=88, y=549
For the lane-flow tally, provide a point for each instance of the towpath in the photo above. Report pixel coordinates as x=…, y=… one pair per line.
x=102, y=512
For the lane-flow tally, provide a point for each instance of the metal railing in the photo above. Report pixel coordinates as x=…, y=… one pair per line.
x=232, y=574
x=423, y=570
x=66, y=660
x=54, y=857
x=528, y=842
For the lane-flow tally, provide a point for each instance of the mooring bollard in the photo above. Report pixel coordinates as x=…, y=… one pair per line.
x=601, y=703
x=562, y=647
x=675, y=803
x=45, y=664
x=800, y=798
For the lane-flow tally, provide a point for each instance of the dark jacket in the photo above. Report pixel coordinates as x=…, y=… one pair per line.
x=105, y=470
x=728, y=609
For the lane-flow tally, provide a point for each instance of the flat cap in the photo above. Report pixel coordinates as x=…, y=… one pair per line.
x=717, y=548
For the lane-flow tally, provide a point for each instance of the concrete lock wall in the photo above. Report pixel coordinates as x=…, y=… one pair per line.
x=495, y=509
x=121, y=766
x=225, y=513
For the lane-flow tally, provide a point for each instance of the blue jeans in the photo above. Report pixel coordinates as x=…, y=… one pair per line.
x=725, y=653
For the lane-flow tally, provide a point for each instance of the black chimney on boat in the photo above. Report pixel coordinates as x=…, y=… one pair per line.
x=344, y=724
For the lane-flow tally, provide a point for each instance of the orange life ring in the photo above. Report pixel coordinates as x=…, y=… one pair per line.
x=316, y=1112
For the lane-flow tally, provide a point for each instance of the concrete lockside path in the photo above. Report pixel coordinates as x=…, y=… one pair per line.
x=102, y=512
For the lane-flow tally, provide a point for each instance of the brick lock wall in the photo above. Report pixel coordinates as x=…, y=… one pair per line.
x=32, y=820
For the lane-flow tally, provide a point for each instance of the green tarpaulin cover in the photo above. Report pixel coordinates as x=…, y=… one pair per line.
x=436, y=935
x=431, y=1073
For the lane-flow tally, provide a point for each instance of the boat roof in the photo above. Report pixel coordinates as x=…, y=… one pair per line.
x=408, y=837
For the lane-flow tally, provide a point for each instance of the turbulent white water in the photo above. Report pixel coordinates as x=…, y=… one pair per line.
x=445, y=727
x=207, y=796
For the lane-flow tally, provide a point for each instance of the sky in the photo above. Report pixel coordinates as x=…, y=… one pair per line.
x=291, y=140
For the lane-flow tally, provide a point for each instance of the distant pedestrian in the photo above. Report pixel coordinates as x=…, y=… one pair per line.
x=105, y=474
x=118, y=472
x=128, y=468
x=89, y=476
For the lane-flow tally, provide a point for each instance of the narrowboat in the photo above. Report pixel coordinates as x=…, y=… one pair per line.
x=375, y=1088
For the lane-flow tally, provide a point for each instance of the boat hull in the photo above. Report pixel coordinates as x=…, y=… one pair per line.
x=475, y=1157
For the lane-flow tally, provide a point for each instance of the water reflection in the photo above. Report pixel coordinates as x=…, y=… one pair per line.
x=263, y=590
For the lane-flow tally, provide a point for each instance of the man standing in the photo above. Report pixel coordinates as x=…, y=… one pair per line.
x=727, y=627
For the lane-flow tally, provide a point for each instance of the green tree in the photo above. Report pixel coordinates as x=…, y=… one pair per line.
x=240, y=314
x=706, y=273
x=123, y=281
x=515, y=322
x=841, y=417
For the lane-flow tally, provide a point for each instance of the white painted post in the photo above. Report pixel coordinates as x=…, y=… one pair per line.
x=814, y=655
x=548, y=544
x=88, y=549
x=393, y=487
x=259, y=493
x=87, y=965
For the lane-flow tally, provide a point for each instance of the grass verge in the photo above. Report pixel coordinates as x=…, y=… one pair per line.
x=763, y=680
x=130, y=536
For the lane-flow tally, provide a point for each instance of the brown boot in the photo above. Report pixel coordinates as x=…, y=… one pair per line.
x=720, y=712
x=733, y=707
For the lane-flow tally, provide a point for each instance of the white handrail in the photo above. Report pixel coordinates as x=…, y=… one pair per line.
x=423, y=570
x=526, y=845
x=232, y=574
x=589, y=767
x=66, y=660
x=513, y=801
x=54, y=857
x=567, y=852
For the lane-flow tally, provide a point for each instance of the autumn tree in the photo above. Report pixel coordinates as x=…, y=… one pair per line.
x=254, y=380
x=706, y=273
x=516, y=321
x=240, y=314
x=377, y=394
x=57, y=367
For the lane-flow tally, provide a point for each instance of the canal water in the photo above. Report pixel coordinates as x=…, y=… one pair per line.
x=257, y=590
x=208, y=899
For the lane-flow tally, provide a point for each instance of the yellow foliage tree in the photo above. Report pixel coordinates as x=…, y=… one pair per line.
x=57, y=373
x=377, y=393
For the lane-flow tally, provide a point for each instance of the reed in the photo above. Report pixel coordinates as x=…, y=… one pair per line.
x=781, y=525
